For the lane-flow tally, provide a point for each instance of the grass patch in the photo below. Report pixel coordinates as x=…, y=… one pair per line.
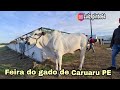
x=71, y=57
x=42, y=67
x=7, y=66
x=2, y=71
x=3, y=67
x=99, y=60
x=106, y=46
x=68, y=58
x=3, y=48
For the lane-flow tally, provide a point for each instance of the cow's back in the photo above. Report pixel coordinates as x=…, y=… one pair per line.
x=66, y=43
x=73, y=42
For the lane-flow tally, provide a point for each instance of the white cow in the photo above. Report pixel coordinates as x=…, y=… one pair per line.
x=56, y=44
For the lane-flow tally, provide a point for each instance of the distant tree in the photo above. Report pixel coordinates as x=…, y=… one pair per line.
x=3, y=43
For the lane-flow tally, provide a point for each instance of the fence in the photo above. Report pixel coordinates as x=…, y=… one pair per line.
x=106, y=41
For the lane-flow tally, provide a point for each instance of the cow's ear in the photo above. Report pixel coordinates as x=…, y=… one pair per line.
x=43, y=33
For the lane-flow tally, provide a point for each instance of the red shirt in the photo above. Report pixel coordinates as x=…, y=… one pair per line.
x=91, y=40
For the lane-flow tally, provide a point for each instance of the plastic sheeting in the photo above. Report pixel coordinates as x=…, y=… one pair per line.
x=30, y=51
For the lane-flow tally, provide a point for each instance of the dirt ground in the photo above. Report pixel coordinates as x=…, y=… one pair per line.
x=98, y=61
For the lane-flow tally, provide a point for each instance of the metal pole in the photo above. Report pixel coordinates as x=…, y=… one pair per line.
x=90, y=24
x=91, y=29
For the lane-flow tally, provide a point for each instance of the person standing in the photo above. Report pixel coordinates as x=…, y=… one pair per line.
x=91, y=41
x=22, y=47
x=115, y=45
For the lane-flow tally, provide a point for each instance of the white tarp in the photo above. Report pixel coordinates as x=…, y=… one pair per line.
x=32, y=52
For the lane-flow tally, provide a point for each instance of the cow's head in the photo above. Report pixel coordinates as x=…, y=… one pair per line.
x=39, y=39
x=35, y=37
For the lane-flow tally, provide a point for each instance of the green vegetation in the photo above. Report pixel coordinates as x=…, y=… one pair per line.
x=3, y=43
x=71, y=57
x=3, y=67
x=3, y=48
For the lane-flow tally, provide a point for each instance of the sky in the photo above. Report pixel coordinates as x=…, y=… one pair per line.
x=14, y=24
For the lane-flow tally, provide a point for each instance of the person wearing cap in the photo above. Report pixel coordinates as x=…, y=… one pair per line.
x=115, y=45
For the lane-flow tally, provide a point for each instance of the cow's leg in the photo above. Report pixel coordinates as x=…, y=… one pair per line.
x=56, y=61
x=60, y=62
x=82, y=57
x=34, y=64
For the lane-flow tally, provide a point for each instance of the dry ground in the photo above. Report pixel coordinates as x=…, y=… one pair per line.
x=99, y=60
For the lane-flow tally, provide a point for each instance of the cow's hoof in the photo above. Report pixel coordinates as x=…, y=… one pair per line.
x=58, y=75
x=35, y=65
x=79, y=68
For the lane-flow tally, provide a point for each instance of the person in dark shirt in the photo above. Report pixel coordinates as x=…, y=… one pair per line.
x=91, y=41
x=115, y=45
